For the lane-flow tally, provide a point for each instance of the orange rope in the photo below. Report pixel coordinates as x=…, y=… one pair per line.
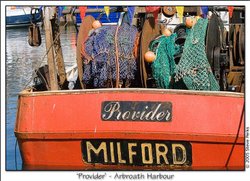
x=117, y=59
x=83, y=52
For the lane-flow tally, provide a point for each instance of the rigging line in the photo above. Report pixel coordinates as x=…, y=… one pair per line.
x=44, y=79
x=117, y=58
x=237, y=135
x=24, y=11
x=15, y=154
x=74, y=22
x=41, y=61
x=31, y=15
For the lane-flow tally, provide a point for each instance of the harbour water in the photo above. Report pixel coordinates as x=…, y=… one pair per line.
x=21, y=61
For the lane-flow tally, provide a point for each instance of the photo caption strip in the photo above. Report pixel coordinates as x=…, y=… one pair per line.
x=124, y=176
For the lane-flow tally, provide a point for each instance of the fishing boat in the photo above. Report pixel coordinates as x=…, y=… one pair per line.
x=130, y=128
x=114, y=130
x=22, y=16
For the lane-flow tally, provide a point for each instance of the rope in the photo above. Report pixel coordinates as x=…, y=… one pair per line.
x=237, y=135
x=15, y=154
x=75, y=24
x=117, y=58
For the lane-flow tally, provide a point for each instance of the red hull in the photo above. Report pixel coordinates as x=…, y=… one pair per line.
x=50, y=127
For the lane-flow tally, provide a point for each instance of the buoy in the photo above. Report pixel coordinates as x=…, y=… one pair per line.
x=149, y=56
x=190, y=22
x=197, y=18
x=166, y=32
x=96, y=24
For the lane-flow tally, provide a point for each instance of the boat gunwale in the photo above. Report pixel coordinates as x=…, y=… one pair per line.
x=30, y=93
x=81, y=135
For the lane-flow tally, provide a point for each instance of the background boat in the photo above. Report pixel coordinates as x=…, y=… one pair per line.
x=22, y=16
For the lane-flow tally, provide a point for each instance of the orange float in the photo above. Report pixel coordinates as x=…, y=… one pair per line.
x=190, y=22
x=166, y=32
x=149, y=56
x=96, y=24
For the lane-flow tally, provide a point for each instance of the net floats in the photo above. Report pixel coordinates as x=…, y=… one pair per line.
x=96, y=24
x=190, y=22
x=167, y=32
x=149, y=57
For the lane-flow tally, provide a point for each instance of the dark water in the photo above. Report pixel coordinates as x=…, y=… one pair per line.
x=21, y=61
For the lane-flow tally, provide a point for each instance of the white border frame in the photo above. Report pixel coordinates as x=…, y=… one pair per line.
x=72, y=175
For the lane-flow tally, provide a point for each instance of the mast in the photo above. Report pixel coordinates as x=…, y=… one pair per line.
x=50, y=49
x=58, y=50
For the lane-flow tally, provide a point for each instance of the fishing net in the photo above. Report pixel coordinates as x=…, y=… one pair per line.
x=193, y=70
x=100, y=70
x=194, y=67
x=164, y=66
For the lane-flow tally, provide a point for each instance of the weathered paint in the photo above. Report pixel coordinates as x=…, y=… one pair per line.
x=51, y=125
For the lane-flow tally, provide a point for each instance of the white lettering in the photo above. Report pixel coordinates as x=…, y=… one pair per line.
x=160, y=116
x=111, y=108
x=168, y=114
x=136, y=115
x=156, y=112
x=152, y=113
x=126, y=115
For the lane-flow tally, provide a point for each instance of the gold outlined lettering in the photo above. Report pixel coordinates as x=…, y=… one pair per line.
x=120, y=160
x=102, y=147
x=112, y=152
x=131, y=152
x=184, y=155
x=150, y=153
x=160, y=154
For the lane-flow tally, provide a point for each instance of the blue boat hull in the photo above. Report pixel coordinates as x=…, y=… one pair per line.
x=113, y=16
x=22, y=20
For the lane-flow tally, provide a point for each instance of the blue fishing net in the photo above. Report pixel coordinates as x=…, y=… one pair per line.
x=100, y=46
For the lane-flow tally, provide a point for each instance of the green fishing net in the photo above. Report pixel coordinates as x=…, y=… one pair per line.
x=163, y=67
x=193, y=68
